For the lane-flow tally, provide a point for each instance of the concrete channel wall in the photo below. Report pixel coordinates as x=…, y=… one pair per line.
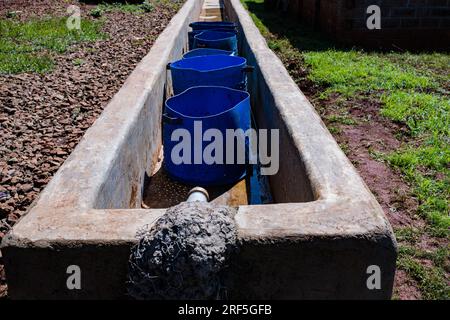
x=316, y=241
x=319, y=249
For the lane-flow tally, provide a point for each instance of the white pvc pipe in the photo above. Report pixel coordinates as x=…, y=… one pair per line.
x=198, y=194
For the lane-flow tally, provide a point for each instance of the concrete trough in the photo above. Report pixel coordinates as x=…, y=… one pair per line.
x=317, y=240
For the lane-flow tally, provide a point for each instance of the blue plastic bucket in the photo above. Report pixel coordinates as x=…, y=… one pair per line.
x=208, y=25
x=196, y=110
x=216, y=40
x=192, y=34
x=224, y=71
x=206, y=52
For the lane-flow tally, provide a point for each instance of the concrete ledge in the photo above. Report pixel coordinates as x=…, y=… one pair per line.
x=315, y=242
x=110, y=162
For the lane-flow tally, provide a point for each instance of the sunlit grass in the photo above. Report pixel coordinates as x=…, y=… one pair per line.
x=431, y=280
x=423, y=113
x=28, y=46
x=350, y=72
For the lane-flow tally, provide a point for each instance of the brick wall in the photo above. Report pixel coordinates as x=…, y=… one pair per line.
x=408, y=24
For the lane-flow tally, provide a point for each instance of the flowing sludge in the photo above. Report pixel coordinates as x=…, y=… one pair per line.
x=184, y=254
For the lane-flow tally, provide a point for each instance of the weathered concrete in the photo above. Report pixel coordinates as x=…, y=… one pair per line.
x=317, y=241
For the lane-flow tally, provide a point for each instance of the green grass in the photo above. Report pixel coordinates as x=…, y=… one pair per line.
x=431, y=279
x=426, y=167
x=433, y=65
x=334, y=130
x=426, y=164
x=342, y=119
x=423, y=113
x=78, y=62
x=350, y=72
x=408, y=234
x=28, y=46
x=23, y=62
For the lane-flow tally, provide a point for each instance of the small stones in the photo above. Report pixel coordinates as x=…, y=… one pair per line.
x=25, y=188
x=4, y=196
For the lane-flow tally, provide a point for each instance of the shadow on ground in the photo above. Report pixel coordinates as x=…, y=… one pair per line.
x=299, y=35
x=304, y=37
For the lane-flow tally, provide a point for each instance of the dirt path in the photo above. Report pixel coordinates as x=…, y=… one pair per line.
x=43, y=116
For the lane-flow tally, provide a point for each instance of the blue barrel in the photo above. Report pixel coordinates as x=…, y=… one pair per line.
x=195, y=111
x=200, y=26
x=206, y=52
x=224, y=71
x=208, y=25
x=192, y=34
x=216, y=40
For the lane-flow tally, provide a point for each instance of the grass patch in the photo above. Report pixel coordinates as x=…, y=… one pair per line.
x=431, y=280
x=433, y=65
x=421, y=112
x=350, y=72
x=27, y=46
x=408, y=234
x=23, y=62
x=334, y=130
x=78, y=62
x=426, y=167
x=342, y=119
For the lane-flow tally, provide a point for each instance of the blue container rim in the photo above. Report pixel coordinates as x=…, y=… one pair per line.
x=220, y=52
x=247, y=97
x=226, y=35
x=243, y=62
x=213, y=23
x=218, y=29
x=223, y=182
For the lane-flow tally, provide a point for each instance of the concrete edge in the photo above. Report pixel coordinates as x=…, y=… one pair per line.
x=295, y=222
x=321, y=153
x=109, y=132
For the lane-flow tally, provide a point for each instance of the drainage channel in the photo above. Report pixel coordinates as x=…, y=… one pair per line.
x=195, y=241
x=316, y=239
x=161, y=191
x=212, y=11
